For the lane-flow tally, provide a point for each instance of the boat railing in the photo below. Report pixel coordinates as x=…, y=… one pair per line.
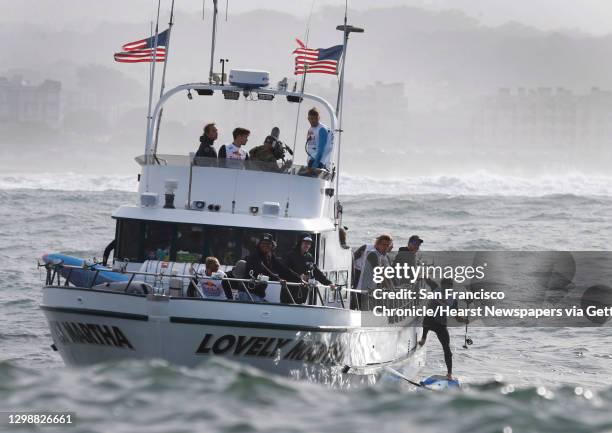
x=191, y=162
x=347, y=297
x=58, y=269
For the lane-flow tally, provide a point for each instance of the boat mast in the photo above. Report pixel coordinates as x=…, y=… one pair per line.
x=213, y=43
x=347, y=30
x=163, y=81
x=152, y=81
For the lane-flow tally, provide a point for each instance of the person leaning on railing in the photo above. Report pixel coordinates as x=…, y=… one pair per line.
x=264, y=262
x=213, y=285
x=301, y=263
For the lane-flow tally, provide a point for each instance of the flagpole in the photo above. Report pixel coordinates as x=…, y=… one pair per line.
x=163, y=81
x=151, y=83
x=150, y=93
x=297, y=118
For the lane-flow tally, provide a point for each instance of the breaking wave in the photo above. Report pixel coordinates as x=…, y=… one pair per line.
x=69, y=182
x=480, y=183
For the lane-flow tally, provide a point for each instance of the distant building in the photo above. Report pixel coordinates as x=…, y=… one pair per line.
x=24, y=102
x=544, y=119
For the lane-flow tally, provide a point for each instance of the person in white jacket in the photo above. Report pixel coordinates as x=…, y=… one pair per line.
x=319, y=142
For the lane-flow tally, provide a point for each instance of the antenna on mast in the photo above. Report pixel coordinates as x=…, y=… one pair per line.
x=347, y=30
x=214, y=42
x=163, y=81
x=152, y=81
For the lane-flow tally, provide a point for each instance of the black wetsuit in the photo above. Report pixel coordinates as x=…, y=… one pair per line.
x=299, y=264
x=109, y=248
x=438, y=324
x=269, y=265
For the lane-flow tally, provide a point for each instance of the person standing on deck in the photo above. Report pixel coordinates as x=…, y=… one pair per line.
x=319, y=142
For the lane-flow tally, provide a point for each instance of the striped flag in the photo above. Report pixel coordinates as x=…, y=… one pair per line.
x=144, y=50
x=319, y=61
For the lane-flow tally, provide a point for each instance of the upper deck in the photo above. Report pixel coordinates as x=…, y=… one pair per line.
x=209, y=190
x=218, y=192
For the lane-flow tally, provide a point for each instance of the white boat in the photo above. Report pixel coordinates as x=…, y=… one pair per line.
x=148, y=305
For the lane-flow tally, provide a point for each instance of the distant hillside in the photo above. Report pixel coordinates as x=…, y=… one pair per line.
x=400, y=44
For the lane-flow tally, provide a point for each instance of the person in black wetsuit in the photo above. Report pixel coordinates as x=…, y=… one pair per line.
x=438, y=323
x=302, y=263
x=206, y=149
x=263, y=261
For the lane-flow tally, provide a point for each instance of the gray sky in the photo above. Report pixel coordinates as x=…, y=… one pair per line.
x=591, y=16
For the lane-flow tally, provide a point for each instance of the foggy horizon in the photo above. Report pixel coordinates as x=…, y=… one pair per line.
x=456, y=87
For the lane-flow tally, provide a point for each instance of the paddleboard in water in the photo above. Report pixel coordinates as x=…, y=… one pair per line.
x=439, y=383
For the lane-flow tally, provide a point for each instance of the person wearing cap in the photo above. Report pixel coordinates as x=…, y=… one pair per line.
x=265, y=152
x=407, y=255
x=263, y=261
x=303, y=267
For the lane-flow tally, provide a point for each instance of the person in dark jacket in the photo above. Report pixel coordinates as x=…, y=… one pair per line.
x=264, y=262
x=303, y=266
x=207, y=140
x=407, y=255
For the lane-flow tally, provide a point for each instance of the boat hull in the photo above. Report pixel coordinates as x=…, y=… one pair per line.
x=298, y=341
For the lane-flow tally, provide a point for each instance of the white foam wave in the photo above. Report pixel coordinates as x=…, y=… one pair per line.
x=480, y=184
x=69, y=182
x=476, y=184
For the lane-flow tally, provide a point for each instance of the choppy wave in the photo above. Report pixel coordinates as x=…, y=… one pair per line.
x=69, y=182
x=480, y=183
x=220, y=396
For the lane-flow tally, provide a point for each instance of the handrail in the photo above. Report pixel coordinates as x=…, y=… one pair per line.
x=151, y=147
x=336, y=287
x=55, y=266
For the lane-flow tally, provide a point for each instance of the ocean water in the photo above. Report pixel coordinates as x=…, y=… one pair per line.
x=515, y=379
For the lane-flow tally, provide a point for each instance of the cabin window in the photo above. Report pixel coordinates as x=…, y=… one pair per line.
x=343, y=281
x=222, y=243
x=189, y=243
x=192, y=243
x=331, y=294
x=130, y=236
x=158, y=241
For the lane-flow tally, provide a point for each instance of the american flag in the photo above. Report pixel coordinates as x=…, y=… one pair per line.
x=144, y=50
x=317, y=61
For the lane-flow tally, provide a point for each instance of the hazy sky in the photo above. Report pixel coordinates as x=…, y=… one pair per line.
x=592, y=16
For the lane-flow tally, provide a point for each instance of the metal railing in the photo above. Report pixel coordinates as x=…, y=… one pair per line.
x=285, y=167
x=54, y=272
x=361, y=300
